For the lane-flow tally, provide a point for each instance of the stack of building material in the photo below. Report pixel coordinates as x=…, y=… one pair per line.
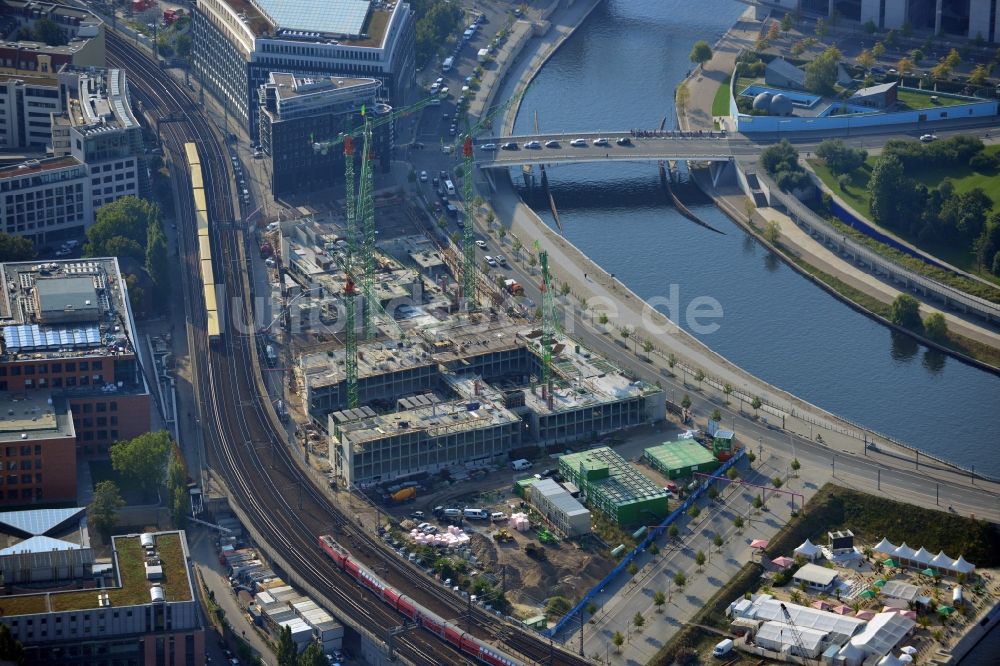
x=519, y=522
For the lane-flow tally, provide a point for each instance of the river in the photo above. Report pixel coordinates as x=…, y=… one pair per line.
x=619, y=71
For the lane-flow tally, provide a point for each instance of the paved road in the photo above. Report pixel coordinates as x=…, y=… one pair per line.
x=651, y=149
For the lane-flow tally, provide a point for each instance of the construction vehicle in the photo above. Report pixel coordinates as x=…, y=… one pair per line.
x=513, y=288
x=503, y=535
x=404, y=495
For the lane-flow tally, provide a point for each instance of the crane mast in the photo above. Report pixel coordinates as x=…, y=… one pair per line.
x=795, y=631
x=468, y=235
x=548, y=325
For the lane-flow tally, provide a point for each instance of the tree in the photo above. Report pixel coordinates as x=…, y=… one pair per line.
x=632, y=569
x=738, y=522
x=182, y=44
x=727, y=389
x=591, y=608
x=673, y=531
x=757, y=502
x=820, y=27
x=128, y=217
x=716, y=415
x=940, y=70
x=624, y=331
x=694, y=511
x=654, y=550
x=699, y=376
x=953, y=59
x=916, y=55
x=143, y=458
x=16, y=248
x=680, y=580
x=935, y=327
x=658, y=600
x=287, y=652
x=878, y=50
x=618, y=639
x=786, y=22
x=796, y=465
x=773, y=32
x=701, y=53
x=157, y=263
x=756, y=404
x=890, y=190
x=104, y=506
x=177, y=489
x=603, y=319
x=979, y=75
x=778, y=157
x=11, y=650
x=905, y=312
x=732, y=473
x=647, y=347
x=686, y=401
x=718, y=541
x=865, y=59
x=48, y=31
x=751, y=456
x=777, y=482
x=699, y=559
x=821, y=73
x=772, y=232
x=671, y=360
x=313, y=656
x=904, y=66
x=839, y=157
x=638, y=620
x=682, y=97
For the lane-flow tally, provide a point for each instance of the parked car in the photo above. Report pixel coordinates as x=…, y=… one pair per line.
x=510, y=145
x=423, y=176
x=552, y=144
x=623, y=141
x=578, y=143
x=488, y=146
x=534, y=145
x=601, y=141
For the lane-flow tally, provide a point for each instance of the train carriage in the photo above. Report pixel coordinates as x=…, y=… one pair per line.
x=191, y=153
x=197, y=182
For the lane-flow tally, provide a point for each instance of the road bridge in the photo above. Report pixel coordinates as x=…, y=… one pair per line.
x=667, y=145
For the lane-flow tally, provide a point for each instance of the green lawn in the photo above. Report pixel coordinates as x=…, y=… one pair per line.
x=964, y=179
x=922, y=99
x=720, y=105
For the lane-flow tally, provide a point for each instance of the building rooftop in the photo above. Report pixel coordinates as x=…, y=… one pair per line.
x=79, y=23
x=617, y=479
x=765, y=607
x=436, y=420
x=813, y=573
x=875, y=90
x=782, y=633
x=39, y=522
x=131, y=587
x=32, y=167
x=787, y=70
x=349, y=22
x=100, y=101
x=298, y=96
x=65, y=309
x=883, y=633
x=559, y=497
x=897, y=589
x=682, y=454
x=34, y=415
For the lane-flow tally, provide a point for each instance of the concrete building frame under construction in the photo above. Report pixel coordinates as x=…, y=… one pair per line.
x=489, y=404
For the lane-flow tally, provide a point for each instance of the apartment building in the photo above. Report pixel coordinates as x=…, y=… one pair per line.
x=46, y=200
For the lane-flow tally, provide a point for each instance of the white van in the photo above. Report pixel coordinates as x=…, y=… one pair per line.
x=476, y=514
x=519, y=465
x=723, y=648
x=449, y=187
x=446, y=65
x=498, y=516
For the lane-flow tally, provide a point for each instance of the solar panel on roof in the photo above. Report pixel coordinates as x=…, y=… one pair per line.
x=39, y=544
x=338, y=17
x=38, y=521
x=29, y=337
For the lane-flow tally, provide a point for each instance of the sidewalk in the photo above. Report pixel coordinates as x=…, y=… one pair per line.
x=703, y=83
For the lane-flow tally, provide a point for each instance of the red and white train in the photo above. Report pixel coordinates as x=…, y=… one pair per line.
x=447, y=631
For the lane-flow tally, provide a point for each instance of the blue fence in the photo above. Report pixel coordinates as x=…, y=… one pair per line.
x=848, y=217
x=650, y=537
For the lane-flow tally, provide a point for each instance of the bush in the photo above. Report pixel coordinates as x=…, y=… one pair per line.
x=983, y=162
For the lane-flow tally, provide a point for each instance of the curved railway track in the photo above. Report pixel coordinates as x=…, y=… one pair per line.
x=243, y=423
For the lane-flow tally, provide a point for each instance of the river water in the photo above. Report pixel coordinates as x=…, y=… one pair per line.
x=619, y=71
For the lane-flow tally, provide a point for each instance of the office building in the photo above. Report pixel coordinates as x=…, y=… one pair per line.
x=298, y=111
x=37, y=449
x=27, y=102
x=66, y=333
x=100, y=130
x=82, y=36
x=239, y=43
x=969, y=19
x=137, y=608
x=46, y=200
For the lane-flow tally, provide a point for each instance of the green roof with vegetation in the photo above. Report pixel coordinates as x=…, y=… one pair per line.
x=134, y=588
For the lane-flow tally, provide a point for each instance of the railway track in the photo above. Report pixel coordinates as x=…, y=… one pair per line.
x=281, y=501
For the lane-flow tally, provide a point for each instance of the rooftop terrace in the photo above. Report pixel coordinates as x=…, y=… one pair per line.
x=619, y=481
x=131, y=589
x=34, y=415
x=436, y=420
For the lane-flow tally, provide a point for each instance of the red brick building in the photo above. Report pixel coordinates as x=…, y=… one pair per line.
x=67, y=339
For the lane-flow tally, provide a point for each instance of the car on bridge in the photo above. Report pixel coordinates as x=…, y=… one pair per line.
x=535, y=145
x=578, y=143
x=510, y=145
x=552, y=144
x=623, y=141
x=601, y=141
x=488, y=146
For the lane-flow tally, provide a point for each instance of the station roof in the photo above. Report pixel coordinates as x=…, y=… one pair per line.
x=682, y=454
